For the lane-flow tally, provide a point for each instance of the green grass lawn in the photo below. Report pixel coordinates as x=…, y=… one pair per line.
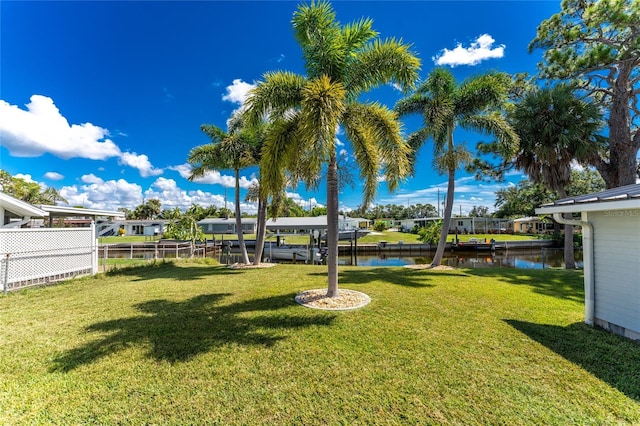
x=197, y=343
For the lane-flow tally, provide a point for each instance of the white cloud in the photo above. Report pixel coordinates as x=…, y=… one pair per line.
x=237, y=92
x=215, y=177
x=171, y=196
x=53, y=176
x=41, y=128
x=91, y=178
x=26, y=178
x=478, y=51
x=468, y=193
x=140, y=162
x=302, y=202
x=99, y=194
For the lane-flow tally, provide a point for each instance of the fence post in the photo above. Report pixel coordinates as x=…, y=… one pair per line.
x=6, y=274
x=94, y=249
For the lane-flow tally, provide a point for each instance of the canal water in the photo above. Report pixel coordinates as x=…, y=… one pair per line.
x=521, y=259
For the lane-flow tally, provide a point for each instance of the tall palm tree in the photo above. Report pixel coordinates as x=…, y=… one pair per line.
x=231, y=150
x=445, y=106
x=342, y=62
x=556, y=127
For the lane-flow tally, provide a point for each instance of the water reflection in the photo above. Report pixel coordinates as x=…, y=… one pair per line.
x=521, y=259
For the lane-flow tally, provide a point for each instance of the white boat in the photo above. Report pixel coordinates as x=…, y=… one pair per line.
x=286, y=252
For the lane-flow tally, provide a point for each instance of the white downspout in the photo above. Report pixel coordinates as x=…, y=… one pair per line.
x=589, y=266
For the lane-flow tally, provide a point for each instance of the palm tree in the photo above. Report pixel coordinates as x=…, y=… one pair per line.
x=556, y=127
x=445, y=106
x=342, y=62
x=231, y=150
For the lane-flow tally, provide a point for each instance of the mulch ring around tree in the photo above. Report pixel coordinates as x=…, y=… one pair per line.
x=251, y=266
x=346, y=299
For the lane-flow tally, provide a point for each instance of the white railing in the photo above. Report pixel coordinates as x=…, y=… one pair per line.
x=31, y=257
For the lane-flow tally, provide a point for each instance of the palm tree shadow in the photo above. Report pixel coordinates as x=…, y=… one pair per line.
x=397, y=276
x=171, y=270
x=178, y=331
x=611, y=358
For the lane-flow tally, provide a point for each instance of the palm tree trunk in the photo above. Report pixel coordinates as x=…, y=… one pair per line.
x=243, y=247
x=569, y=256
x=446, y=221
x=332, y=225
x=261, y=229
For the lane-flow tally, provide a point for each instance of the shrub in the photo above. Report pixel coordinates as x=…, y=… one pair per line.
x=431, y=233
x=380, y=226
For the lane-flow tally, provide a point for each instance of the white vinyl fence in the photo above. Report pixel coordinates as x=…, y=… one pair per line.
x=40, y=256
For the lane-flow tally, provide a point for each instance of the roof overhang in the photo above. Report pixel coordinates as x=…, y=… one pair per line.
x=622, y=198
x=57, y=211
x=598, y=206
x=20, y=207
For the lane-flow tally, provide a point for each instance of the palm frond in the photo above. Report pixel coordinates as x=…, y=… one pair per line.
x=215, y=133
x=439, y=83
x=323, y=46
x=494, y=123
x=384, y=130
x=276, y=155
x=273, y=96
x=312, y=21
x=357, y=33
x=381, y=62
x=479, y=92
x=323, y=104
x=412, y=104
x=365, y=151
x=452, y=159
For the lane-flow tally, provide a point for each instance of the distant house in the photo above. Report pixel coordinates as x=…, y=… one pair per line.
x=216, y=225
x=463, y=225
x=281, y=225
x=532, y=225
x=146, y=227
x=610, y=222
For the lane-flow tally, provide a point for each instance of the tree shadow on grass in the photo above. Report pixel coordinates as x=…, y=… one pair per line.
x=559, y=283
x=178, y=331
x=171, y=270
x=611, y=358
x=397, y=276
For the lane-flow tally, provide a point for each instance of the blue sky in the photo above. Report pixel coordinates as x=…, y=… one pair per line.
x=104, y=100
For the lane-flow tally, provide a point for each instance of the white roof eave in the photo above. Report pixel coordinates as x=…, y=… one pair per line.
x=591, y=206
